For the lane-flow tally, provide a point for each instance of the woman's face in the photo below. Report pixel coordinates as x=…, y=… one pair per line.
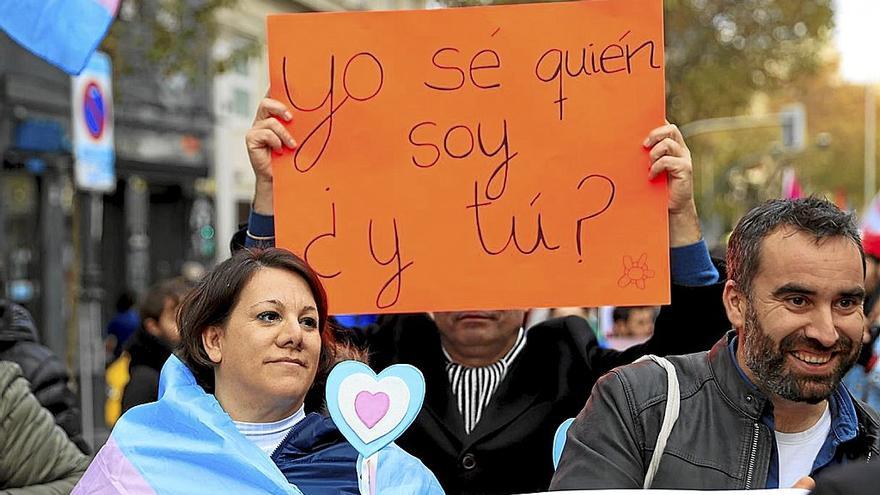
x=268, y=353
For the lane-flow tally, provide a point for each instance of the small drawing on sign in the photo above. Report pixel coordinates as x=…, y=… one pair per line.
x=635, y=273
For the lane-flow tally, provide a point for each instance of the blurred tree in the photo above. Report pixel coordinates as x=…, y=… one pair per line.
x=834, y=159
x=720, y=52
x=737, y=170
x=172, y=37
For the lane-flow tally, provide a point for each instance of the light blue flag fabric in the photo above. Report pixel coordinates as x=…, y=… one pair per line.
x=399, y=473
x=63, y=32
x=185, y=443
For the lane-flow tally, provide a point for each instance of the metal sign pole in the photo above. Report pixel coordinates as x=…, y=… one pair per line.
x=91, y=356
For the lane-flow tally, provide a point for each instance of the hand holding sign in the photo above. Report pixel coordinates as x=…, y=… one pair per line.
x=669, y=154
x=267, y=136
x=675, y=160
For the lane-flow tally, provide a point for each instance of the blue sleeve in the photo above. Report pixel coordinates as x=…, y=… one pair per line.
x=260, y=231
x=692, y=266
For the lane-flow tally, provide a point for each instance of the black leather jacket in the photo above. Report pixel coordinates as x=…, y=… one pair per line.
x=719, y=441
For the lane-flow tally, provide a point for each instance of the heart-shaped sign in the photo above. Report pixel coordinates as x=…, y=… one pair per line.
x=373, y=410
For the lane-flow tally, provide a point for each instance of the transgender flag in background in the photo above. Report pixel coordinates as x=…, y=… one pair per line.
x=63, y=32
x=791, y=187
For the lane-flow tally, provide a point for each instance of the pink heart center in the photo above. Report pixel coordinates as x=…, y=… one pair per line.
x=371, y=408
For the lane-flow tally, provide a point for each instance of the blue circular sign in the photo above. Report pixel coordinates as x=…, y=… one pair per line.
x=93, y=110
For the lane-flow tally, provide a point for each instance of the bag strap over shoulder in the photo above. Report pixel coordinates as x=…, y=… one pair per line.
x=670, y=415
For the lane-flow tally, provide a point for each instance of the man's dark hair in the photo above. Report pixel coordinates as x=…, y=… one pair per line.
x=212, y=300
x=815, y=216
x=154, y=302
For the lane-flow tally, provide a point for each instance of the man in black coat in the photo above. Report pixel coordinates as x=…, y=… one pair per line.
x=495, y=392
x=46, y=373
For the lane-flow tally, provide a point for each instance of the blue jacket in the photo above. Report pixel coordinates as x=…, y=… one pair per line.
x=317, y=459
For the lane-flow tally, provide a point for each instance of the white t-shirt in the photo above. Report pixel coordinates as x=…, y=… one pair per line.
x=798, y=451
x=268, y=436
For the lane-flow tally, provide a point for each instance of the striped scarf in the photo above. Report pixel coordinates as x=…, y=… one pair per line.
x=473, y=388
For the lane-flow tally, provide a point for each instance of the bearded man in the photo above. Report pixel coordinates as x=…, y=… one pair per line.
x=764, y=408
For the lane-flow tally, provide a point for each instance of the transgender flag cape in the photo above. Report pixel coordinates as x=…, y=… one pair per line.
x=63, y=32
x=184, y=443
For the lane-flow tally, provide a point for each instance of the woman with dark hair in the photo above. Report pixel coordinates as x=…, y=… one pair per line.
x=231, y=415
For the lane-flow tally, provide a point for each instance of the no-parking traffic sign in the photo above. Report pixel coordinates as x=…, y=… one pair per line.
x=92, y=98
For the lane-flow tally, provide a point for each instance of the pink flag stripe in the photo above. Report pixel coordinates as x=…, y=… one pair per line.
x=110, y=5
x=111, y=473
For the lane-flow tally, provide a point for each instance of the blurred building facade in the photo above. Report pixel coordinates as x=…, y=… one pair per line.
x=66, y=256
x=37, y=197
x=163, y=150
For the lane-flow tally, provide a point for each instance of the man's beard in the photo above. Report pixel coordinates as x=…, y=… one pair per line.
x=768, y=362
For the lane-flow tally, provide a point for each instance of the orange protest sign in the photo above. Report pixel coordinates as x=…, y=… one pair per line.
x=475, y=158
